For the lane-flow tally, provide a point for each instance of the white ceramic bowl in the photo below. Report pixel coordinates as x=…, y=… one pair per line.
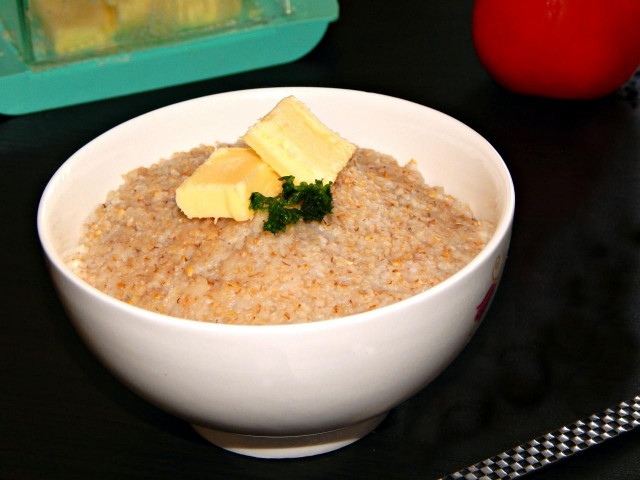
x=291, y=390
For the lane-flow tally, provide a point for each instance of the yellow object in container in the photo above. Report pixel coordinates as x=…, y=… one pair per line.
x=133, y=13
x=167, y=16
x=70, y=26
x=197, y=13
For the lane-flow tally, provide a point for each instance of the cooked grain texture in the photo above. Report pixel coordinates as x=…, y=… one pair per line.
x=390, y=236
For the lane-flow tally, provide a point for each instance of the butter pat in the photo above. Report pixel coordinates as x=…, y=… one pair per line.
x=75, y=25
x=221, y=186
x=198, y=13
x=132, y=14
x=293, y=141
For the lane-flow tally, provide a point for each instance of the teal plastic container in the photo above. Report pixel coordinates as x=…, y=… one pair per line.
x=41, y=68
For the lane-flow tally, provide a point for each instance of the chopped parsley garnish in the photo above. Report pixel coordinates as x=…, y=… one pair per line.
x=309, y=201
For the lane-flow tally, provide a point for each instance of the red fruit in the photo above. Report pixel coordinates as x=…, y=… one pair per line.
x=578, y=49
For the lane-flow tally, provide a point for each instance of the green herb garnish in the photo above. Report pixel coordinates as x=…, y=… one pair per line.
x=309, y=201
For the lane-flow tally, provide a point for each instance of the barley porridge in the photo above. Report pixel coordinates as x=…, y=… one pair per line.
x=390, y=236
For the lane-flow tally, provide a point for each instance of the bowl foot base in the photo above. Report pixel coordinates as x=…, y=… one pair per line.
x=289, y=446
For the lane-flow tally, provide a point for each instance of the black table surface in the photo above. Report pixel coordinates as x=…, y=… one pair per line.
x=560, y=341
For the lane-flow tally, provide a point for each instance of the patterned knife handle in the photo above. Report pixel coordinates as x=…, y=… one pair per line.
x=553, y=446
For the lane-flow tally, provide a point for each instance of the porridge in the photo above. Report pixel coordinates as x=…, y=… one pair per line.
x=389, y=237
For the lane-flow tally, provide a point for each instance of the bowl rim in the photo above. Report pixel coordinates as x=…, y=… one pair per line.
x=503, y=228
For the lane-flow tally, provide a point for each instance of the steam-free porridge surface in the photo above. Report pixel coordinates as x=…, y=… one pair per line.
x=390, y=236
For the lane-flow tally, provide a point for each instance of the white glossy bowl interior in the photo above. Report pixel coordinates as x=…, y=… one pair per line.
x=275, y=391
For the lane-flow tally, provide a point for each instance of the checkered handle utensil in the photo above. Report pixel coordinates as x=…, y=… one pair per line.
x=556, y=445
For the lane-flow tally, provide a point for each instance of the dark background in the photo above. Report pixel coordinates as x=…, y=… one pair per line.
x=559, y=342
